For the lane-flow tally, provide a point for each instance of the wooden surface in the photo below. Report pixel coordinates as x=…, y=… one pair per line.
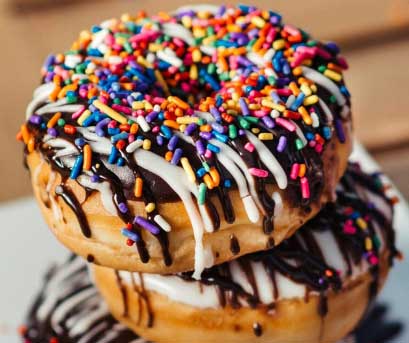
x=374, y=36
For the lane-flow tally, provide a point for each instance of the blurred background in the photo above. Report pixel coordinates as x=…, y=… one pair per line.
x=373, y=35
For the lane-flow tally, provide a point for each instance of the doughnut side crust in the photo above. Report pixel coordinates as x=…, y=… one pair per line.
x=106, y=247
x=291, y=320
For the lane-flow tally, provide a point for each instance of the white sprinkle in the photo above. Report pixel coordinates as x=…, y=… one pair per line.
x=290, y=101
x=315, y=119
x=268, y=56
x=115, y=60
x=71, y=61
x=143, y=123
x=162, y=223
x=275, y=114
x=173, y=60
x=134, y=145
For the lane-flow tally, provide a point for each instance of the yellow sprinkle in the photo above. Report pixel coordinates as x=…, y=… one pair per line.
x=182, y=127
x=265, y=136
x=273, y=105
x=150, y=207
x=254, y=107
x=110, y=112
x=186, y=21
x=193, y=72
x=188, y=169
x=148, y=105
x=187, y=120
x=310, y=100
x=138, y=105
x=368, y=243
x=54, y=119
x=255, y=130
x=196, y=55
x=305, y=115
x=83, y=116
x=314, y=88
x=161, y=81
x=258, y=21
x=278, y=44
x=333, y=75
x=146, y=144
x=305, y=89
x=361, y=223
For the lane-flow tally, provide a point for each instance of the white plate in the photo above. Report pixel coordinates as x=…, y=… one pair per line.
x=27, y=248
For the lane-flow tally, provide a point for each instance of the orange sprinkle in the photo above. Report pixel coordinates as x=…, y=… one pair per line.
x=215, y=176
x=54, y=119
x=53, y=95
x=208, y=181
x=25, y=133
x=134, y=128
x=294, y=88
x=138, y=187
x=31, y=144
x=305, y=115
x=171, y=123
x=205, y=128
x=168, y=155
x=87, y=157
x=302, y=170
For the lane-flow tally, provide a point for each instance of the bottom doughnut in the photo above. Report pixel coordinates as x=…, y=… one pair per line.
x=61, y=315
x=314, y=287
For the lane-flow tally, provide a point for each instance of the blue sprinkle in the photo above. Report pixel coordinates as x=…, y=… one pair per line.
x=159, y=140
x=113, y=155
x=227, y=183
x=326, y=132
x=113, y=131
x=120, y=162
x=77, y=167
x=89, y=120
x=166, y=131
x=200, y=172
x=79, y=142
x=213, y=148
x=172, y=143
x=130, y=234
x=119, y=136
x=309, y=136
x=298, y=102
x=220, y=137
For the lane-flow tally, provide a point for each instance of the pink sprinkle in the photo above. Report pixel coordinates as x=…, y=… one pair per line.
x=284, y=91
x=122, y=109
x=131, y=138
x=305, y=188
x=318, y=148
x=112, y=124
x=312, y=144
x=349, y=229
x=260, y=113
x=249, y=147
x=77, y=114
x=293, y=31
x=208, y=153
x=295, y=169
x=373, y=260
x=258, y=172
x=286, y=124
x=156, y=129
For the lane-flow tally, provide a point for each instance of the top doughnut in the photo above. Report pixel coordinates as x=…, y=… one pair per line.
x=184, y=132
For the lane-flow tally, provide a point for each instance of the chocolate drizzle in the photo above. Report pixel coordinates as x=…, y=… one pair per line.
x=301, y=258
x=70, y=199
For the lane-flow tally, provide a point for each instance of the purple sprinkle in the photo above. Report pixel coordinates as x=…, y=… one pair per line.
x=190, y=129
x=206, y=135
x=159, y=140
x=94, y=178
x=176, y=156
x=99, y=128
x=340, y=130
x=320, y=281
x=244, y=108
x=268, y=121
x=275, y=97
x=172, y=143
x=122, y=207
x=215, y=113
x=151, y=116
x=146, y=224
x=52, y=132
x=200, y=147
x=282, y=143
x=244, y=61
x=242, y=132
x=218, y=127
x=34, y=119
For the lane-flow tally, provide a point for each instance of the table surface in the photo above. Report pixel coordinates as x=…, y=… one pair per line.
x=28, y=248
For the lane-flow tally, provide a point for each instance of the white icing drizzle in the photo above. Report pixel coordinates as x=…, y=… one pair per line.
x=198, y=8
x=40, y=96
x=179, y=31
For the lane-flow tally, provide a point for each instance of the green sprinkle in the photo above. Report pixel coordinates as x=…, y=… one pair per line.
x=271, y=80
x=232, y=131
x=244, y=123
x=299, y=144
x=211, y=68
x=322, y=68
x=253, y=120
x=71, y=99
x=61, y=122
x=333, y=99
x=206, y=166
x=202, y=194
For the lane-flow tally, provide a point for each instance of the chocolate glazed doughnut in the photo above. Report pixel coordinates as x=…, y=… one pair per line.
x=298, y=291
x=154, y=140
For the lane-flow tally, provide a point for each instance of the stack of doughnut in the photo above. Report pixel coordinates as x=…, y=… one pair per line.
x=198, y=160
